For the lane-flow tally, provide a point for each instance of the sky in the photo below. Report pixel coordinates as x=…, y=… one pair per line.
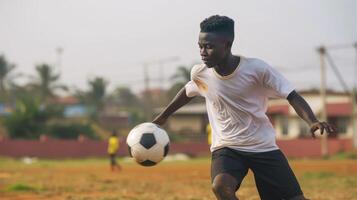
x=113, y=38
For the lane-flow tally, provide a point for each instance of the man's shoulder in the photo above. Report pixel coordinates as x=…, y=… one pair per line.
x=254, y=61
x=254, y=64
x=113, y=139
x=196, y=69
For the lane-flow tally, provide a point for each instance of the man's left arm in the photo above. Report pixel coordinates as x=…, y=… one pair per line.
x=303, y=109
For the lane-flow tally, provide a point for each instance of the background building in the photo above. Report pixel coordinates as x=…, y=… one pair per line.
x=192, y=118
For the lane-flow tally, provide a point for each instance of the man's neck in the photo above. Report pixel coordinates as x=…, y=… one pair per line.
x=229, y=66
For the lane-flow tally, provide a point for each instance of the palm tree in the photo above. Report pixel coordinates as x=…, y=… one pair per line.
x=125, y=97
x=5, y=69
x=47, y=81
x=97, y=92
x=182, y=76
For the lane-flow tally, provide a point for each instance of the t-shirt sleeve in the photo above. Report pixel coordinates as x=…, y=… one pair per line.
x=191, y=87
x=278, y=86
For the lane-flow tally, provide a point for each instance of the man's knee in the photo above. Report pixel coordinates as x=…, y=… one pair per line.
x=224, y=187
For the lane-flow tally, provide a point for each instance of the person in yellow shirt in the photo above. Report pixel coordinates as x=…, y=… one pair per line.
x=209, y=134
x=113, y=146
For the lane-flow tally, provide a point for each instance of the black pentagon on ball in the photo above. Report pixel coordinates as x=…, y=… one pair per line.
x=148, y=163
x=147, y=140
x=166, y=150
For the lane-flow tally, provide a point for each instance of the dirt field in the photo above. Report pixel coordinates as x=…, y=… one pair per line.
x=90, y=179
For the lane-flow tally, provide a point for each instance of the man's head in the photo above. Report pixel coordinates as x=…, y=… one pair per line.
x=216, y=39
x=114, y=133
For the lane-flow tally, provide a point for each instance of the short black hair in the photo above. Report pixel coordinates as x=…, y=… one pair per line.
x=220, y=24
x=114, y=133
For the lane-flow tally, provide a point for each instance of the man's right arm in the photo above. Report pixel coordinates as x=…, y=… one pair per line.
x=179, y=100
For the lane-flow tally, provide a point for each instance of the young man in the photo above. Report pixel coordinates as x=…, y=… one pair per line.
x=236, y=90
x=113, y=146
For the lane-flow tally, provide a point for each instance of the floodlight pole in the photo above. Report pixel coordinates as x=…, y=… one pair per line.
x=324, y=145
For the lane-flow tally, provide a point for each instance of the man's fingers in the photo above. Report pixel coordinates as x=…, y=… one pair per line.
x=313, y=134
x=316, y=127
x=312, y=130
x=328, y=128
x=322, y=128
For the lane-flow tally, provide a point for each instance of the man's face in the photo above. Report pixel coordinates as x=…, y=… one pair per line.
x=214, y=48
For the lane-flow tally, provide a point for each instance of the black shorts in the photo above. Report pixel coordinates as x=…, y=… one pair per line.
x=273, y=176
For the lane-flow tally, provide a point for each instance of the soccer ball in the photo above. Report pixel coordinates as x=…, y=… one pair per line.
x=148, y=143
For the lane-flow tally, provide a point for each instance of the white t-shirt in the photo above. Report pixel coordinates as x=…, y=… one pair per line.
x=236, y=104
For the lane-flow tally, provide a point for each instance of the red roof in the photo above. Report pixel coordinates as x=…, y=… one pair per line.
x=69, y=100
x=333, y=109
x=339, y=109
x=278, y=109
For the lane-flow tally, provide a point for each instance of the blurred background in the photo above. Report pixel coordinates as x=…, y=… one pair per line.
x=71, y=72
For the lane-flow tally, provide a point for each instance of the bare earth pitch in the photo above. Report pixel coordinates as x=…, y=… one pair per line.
x=179, y=180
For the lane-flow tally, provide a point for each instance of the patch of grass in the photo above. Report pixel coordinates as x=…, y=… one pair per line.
x=354, y=194
x=345, y=156
x=318, y=175
x=351, y=182
x=21, y=187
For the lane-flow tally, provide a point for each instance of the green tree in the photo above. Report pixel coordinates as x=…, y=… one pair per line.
x=97, y=92
x=125, y=97
x=182, y=75
x=29, y=118
x=5, y=69
x=71, y=130
x=129, y=102
x=46, y=82
x=180, y=78
x=95, y=96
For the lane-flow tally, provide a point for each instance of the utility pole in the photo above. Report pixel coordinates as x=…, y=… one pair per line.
x=160, y=64
x=324, y=145
x=324, y=54
x=354, y=101
x=162, y=68
x=149, y=99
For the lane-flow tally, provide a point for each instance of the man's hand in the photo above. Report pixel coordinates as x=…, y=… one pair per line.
x=323, y=126
x=304, y=111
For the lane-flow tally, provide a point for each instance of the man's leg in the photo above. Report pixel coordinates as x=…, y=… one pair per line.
x=274, y=177
x=227, y=172
x=224, y=187
x=112, y=162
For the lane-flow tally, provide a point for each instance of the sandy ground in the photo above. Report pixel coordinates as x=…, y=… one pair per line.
x=177, y=180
